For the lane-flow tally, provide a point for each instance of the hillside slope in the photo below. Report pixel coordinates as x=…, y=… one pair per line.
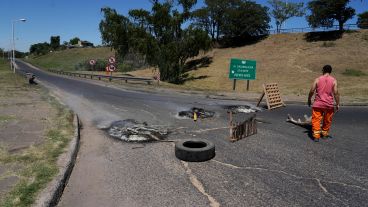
x=293, y=63
x=286, y=59
x=68, y=59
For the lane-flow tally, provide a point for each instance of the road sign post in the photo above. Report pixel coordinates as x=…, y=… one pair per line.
x=92, y=62
x=242, y=70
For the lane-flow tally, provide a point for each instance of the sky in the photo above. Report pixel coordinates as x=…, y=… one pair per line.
x=77, y=18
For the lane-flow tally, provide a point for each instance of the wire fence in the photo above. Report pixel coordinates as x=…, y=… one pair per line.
x=310, y=29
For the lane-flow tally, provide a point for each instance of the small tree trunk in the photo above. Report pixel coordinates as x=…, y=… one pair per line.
x=341, y=26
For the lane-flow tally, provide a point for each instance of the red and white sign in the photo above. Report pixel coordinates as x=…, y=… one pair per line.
x=112, y=60
x=110, y=68
x=92, y=62
x=157, y=75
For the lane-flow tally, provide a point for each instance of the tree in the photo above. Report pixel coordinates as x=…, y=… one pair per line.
x=232, y=18
x=114, y=31
x=74, y=41
x=55, y=42
x=244, y=19
x=40, y=48
x=158, y=35
x=325, y=12
x=283, y=10
x=363, y=20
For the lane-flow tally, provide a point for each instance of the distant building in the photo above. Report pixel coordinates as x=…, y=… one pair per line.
x=82, y=43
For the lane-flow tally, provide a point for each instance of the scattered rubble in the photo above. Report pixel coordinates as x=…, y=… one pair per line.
x=241, y=109
x=132, y=131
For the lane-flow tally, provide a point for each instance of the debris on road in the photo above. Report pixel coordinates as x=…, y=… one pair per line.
x=132, y=131
x=241, y=109
x=194, y=150
x=306, y=122
x=200, y=113
x=243, y=129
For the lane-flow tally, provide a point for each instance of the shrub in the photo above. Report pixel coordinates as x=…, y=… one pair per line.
x=328, y=44
x=352, y=72
x=100, y=65
x=365, y=36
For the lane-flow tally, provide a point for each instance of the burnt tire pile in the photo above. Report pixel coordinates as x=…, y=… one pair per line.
x=201, y=113
x=194, y=150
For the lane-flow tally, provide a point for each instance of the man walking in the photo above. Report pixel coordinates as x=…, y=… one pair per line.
x=325, y=87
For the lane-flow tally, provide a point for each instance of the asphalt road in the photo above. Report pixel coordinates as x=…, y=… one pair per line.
x=279, y=166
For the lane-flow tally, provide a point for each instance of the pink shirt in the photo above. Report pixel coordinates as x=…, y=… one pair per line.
x=324, y=93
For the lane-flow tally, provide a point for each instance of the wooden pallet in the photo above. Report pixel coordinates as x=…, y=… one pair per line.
x=241, y=130
x=273, y=97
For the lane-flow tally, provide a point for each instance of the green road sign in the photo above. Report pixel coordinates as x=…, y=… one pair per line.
x=242, y=69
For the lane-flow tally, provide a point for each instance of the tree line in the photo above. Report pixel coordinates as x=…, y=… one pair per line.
x=171, y=32
x=45, y=47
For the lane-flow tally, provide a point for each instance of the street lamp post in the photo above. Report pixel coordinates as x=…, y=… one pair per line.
x=13, y=53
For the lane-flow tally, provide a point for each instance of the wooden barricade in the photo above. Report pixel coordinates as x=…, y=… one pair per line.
x=273, y=97
x=241, y=130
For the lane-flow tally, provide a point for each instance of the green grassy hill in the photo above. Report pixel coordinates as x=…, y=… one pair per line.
x=287, y=59
x=68, y=59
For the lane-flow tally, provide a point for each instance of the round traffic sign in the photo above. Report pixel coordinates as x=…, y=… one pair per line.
x=112, y=60
x=112, y=68
x=92, y=62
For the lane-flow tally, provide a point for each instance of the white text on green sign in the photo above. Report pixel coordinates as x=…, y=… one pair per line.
x=242, y=69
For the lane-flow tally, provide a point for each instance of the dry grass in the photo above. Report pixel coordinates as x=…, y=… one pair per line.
x=292, y=62
x=287, y=59
x=36, y=165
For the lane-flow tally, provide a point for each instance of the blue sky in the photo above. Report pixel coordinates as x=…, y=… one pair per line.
x=76, y=18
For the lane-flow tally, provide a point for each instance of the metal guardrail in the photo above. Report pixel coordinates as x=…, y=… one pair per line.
x=100, y=77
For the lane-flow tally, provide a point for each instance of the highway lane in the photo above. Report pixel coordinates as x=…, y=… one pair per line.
x=280, y=166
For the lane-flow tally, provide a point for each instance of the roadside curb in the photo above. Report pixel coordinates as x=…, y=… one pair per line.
x=51, y=195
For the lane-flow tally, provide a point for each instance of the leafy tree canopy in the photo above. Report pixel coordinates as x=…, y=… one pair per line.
x=232, y=18
x=283, y=10
x=74, y=41
x=55, y=42
x=159, y=35
x=40, y=48
x=325, y=12
x=363, y=20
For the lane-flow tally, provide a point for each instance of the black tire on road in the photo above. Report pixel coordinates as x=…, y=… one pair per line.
x=194, y=150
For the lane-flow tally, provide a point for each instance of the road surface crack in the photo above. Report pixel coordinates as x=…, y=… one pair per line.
x=318, y=181
x=199, y=186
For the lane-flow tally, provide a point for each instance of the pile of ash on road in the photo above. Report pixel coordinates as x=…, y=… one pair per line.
x=240, y=109
x=201, y=113
x=132, y=131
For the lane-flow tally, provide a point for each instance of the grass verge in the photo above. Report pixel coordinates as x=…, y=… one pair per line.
x=35, y=166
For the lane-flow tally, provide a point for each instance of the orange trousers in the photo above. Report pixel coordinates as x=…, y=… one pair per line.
x=324, y=116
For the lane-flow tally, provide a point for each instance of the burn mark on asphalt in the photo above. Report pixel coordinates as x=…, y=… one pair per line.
x=240, y=109
x=130, y=130
x=201, y=113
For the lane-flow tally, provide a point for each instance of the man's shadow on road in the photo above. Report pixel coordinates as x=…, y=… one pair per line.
x=308, y=131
